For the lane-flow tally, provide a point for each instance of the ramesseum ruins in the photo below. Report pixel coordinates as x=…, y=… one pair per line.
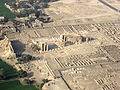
x=79, y=50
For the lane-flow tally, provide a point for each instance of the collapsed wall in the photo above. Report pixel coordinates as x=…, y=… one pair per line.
x=75, y=38
x=58, y=43
x=6, y=49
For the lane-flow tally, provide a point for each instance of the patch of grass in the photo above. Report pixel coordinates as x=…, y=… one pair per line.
x=9, y=84
x=5, y=11
x=7, y=69
x=15, y=85
x=26, y=87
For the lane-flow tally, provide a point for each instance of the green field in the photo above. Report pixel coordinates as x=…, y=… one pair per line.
x=15, y=85
x=7, y=69
x=5, y=11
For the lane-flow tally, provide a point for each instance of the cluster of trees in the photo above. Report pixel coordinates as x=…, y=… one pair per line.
x=23, y=5
x=45, y=1
x=20, y=74
x=7, y=72
x=45, y=5
x=26, y=12
x=48, y=0
x=25, y=58
x=19, y=5
x=44, y=81
x=37, y=4
x=27, y=81
x=45, y=20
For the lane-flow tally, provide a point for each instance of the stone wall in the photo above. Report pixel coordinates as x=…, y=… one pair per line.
x=6, y=49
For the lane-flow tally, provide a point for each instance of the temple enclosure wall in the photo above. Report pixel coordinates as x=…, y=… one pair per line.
x=6, y=49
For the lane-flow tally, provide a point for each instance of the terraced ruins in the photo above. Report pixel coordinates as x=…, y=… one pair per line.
x=79, y=50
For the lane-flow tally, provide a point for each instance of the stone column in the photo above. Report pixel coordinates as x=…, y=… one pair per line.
x=62, y=37
x=87, y=39
x=65, y=39
x=42, y=47
x=47, y=47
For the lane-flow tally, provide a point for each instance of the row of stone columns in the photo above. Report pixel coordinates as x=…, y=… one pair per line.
x=63, y=38
x=44, y=47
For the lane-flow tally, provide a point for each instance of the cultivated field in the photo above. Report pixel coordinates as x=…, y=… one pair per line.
x=7, y=69
x=15, y=85
x=5, y=11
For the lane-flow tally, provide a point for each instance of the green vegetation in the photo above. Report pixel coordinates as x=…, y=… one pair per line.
x=43, y=1
x=27, y=81
x=47, y=20
x=26, y=12
x=45, y=5
x=22, y=73
x=45, y=80
x=42, y=84
x=25, y=58
x=15, y=85
x=6, y=71
x=5, y=11
x=9, y=84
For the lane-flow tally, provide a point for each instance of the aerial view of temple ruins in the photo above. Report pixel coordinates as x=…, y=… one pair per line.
x=59, y=44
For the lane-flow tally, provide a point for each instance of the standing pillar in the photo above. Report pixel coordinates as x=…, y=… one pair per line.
x=65, y=39
x=47, y=47
x=87, y=39
x=62, y=37
x=42, y=47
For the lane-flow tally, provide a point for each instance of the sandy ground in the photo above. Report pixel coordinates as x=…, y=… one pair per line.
x=79, y=9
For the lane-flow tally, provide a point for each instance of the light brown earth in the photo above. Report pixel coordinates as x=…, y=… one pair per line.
x=89, y=65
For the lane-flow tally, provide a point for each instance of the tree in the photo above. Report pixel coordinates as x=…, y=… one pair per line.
x=45, y=80
x=20, y=60
x=41, y=85
x=30, y=11
x=14, y=6
x=5, y=19
x=26, y=6
x=36, y=7
x=27, y=81
x=22, y=73
x=41, y=19
x=41, y=13
x=25, y=58
x=32, y=19
x=31, y=1
x=37, y=14
x=45, y=5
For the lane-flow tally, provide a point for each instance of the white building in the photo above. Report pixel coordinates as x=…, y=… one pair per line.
x=1, y=18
